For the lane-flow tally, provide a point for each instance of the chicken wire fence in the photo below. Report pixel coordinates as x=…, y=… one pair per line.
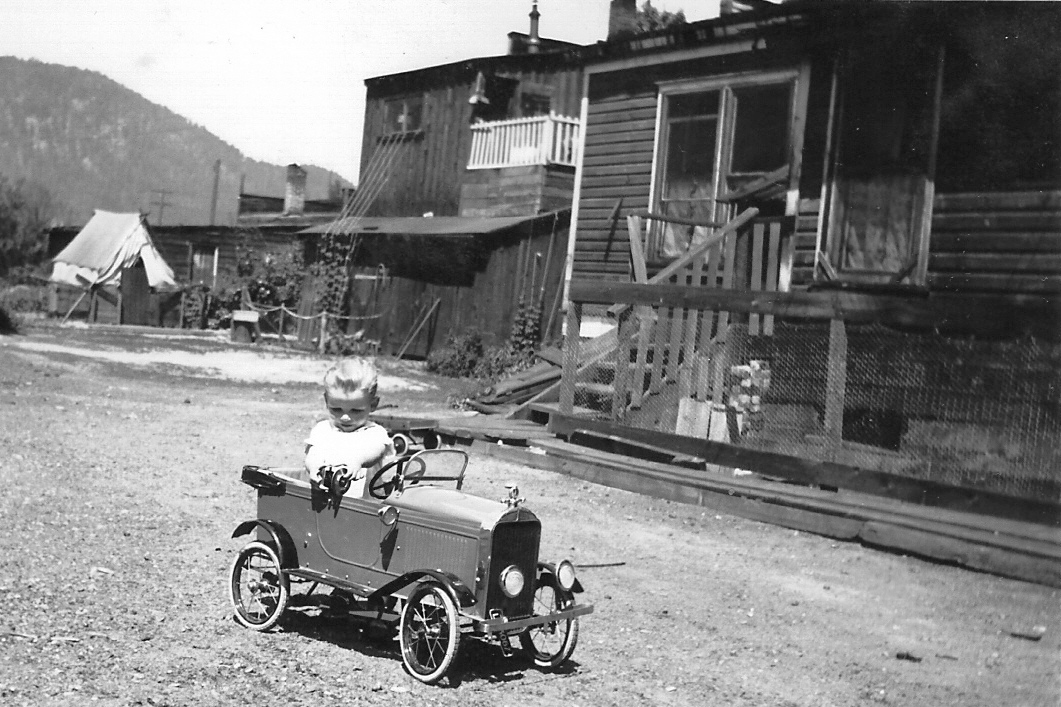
x=958, y=411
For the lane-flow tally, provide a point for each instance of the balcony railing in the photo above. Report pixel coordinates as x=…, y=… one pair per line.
x=544, y=139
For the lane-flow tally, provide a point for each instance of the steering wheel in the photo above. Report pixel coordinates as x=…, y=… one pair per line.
x=381, y=488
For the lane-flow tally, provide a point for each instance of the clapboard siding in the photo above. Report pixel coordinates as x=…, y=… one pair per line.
x=1003, y=242
x=617, y=169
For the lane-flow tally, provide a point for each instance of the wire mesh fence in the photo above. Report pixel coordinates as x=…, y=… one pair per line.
x=959, y=411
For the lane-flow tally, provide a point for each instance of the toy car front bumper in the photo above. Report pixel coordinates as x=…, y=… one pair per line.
x=502, y=625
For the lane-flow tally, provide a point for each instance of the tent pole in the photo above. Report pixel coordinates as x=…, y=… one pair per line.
x=74, y=307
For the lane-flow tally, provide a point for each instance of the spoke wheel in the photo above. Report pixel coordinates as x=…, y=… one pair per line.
x=549, y=645
x=259, y=589
x=430, y=633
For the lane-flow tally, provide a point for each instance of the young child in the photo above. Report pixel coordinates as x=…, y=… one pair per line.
x=347, y=437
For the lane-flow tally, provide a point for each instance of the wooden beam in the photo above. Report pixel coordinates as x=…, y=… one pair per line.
x=820, y=473
x=695, y=252
x=952, y=312
x=1018, y=550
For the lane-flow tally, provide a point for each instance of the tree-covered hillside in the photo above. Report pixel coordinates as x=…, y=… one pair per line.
x=94, y=144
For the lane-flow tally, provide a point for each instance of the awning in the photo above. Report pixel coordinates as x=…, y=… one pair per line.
x=449, y=226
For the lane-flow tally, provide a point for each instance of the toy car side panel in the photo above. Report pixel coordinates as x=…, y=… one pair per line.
x=418, y=541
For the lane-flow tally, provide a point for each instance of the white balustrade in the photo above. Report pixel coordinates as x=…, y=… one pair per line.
x=543, y=139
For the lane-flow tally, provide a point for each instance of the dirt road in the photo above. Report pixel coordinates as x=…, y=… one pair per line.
x=120, y=491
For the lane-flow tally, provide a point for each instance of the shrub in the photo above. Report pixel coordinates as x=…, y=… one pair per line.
x=459, y=357
x=8, y=324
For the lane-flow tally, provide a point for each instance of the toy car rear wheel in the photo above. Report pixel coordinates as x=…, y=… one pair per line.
x=549, y=645
x=259, y=589
x=430, y=633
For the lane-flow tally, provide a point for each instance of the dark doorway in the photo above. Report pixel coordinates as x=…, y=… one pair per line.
x=136, y=295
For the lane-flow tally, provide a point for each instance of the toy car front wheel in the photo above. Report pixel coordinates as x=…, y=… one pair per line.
x=430, y=633
x=259, y=589
x=549, y=645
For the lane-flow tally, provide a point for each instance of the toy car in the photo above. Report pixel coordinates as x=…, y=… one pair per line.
x=415, y=551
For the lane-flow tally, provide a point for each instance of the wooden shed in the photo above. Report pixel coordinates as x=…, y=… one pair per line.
x=417, y=281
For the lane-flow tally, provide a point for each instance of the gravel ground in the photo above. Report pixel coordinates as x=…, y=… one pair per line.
x=121, y=490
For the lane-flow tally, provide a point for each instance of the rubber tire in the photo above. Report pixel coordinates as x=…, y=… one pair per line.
x=444, y=619
x=543, y=656
x=279, y=582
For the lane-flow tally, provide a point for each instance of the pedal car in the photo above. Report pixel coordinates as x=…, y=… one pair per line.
x=415, y=551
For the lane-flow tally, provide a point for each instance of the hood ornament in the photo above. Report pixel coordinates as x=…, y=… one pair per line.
x=513, y=499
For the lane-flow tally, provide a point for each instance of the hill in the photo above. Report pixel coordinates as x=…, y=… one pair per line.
x=95, y=144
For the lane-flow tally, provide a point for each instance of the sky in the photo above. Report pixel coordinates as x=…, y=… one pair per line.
x=283, y=81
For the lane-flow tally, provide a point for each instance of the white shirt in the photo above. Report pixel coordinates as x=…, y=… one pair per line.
x=367, y=446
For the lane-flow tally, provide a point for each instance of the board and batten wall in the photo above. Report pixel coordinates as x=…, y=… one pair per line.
x=428, y=166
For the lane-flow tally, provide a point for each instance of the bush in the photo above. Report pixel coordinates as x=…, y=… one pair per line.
x=459, y=358
x=25, y=298
x=8, y=324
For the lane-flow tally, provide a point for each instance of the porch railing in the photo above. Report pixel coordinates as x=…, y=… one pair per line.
x=545, y=139
x=853, y=389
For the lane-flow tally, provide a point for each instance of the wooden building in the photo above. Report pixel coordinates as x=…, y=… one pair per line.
x=862, y=200
x=204, y=255
x=464, y=196
x=482, y=137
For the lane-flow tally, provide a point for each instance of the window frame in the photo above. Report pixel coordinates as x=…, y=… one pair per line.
x=796, y=77
x=390, y=121
x=213, y=253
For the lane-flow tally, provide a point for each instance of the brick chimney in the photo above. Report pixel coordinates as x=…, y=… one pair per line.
x=295, y=193
x=621, y=17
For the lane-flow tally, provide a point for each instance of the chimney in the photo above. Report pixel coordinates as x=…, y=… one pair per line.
x=622, y=17
x=534, y=42
x=295, y=193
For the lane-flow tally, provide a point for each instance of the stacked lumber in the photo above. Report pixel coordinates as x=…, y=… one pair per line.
x=517, y=388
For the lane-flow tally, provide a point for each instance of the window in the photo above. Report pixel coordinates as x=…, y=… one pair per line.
x=532, y=104
x=202, y=265
x=403, y=115
x=717, y=136
x=878, y=202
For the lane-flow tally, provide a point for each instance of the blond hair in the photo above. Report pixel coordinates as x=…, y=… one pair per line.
x=350, y=375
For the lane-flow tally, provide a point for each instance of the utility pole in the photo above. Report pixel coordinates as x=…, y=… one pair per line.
x=213, y=200
x=161, y=202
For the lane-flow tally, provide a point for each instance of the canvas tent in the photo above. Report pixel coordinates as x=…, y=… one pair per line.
x=108, y=245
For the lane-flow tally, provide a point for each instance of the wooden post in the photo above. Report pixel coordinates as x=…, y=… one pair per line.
x=645, y=315
x=621, y=383
x=772, y=272
x=572, y=344
x=836, y=381
x=324, y=332
x=280, y=327
x=756, y=284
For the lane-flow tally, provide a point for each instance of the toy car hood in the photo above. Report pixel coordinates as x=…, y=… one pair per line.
x=457, y=505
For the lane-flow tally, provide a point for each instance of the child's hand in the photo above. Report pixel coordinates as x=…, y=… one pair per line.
x=315, y=476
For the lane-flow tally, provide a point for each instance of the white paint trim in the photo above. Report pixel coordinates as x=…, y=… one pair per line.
x=572, y=233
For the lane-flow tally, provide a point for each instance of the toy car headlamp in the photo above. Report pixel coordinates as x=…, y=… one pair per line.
x=565, y=575
x=511, y=581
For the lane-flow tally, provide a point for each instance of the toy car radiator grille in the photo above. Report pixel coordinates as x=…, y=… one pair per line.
x=515, y=543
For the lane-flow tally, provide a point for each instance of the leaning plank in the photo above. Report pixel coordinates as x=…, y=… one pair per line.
x=1005, y=561
x=1017, y=550
x=820, y=473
